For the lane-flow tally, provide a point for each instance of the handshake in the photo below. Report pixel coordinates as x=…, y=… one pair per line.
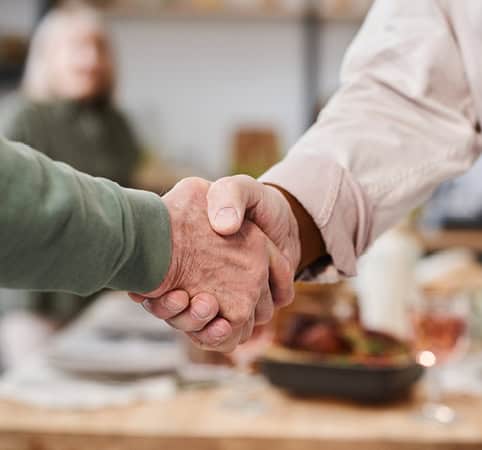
x=235, y=250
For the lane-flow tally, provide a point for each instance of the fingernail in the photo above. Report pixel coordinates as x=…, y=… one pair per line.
x=201, y=310
x=173, y=304
x=218, y=332
x=146, y=304
x=226, y=217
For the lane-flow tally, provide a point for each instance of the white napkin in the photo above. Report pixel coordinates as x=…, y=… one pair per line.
x=36, y=383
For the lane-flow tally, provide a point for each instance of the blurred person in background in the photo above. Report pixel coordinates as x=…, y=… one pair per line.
x=65, y=110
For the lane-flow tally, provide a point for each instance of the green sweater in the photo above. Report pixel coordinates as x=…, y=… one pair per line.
x=62, y=230
x=93, y=137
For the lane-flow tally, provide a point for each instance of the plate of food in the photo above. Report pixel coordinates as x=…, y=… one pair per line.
x=327, y=352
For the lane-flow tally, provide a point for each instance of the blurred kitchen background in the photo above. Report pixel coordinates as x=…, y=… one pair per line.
x=211, y=88
x=191, y=73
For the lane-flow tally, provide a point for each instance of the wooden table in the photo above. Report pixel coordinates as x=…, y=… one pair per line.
x=196, y=420
x=433, y=240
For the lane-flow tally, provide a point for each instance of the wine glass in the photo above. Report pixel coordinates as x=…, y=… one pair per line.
x=244, y=397
x=440, y=335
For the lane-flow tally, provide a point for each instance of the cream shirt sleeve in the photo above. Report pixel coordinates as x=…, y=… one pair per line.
x=402, y=122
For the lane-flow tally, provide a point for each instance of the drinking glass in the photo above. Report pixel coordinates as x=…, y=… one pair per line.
x=440, y=335
x=246, y=386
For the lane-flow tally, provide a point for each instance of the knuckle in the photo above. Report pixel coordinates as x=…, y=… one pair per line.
x=217, y=345
x=161, y=313
x=237, y=320
x=226, y=184
x=290, y=300
x=241, y=314
x=206, y=344
x=284, y=301
x=231, y=184
x=221, y=182
x=291, y=294
x=283, y=262
x=290, y=269
x=287, y=296
x=201, y=341
x=284, y=271
x=245, y=339
x=194, y=184
x=264, y=315
x=287, y=271
x=218, y=189
x=196, y=341
x=243, y=178
x=226, y=348
x=192, y=325
x=196, y=327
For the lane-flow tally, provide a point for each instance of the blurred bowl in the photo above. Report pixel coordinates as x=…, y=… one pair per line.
x=301, y=374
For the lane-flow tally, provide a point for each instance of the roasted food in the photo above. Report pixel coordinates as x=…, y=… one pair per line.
x=343, y=343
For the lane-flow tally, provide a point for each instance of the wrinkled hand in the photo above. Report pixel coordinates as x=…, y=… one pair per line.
x=234, y=199
x=233, y=280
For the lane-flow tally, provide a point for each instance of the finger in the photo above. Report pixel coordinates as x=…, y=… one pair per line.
x=218, y=335
x=247, y=331
x=228, y=200
x=167, y=306
x=281, y=277
x=229, y=345
x=136, y=297
x=203, y=309
x=264, y=309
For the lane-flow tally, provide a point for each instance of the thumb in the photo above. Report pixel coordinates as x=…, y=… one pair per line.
x=228, y=199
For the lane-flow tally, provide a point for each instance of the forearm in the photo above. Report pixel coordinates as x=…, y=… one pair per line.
x=61, y=230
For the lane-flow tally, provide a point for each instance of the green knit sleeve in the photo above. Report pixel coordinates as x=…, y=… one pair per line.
x=62, y=230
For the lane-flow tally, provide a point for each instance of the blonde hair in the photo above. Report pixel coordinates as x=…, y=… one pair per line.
x=37, y=79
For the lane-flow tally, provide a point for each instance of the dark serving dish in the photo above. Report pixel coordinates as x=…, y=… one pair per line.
x=362, y=383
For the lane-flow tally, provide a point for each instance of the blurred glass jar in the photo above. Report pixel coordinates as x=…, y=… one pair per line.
x=345, y=8
x=475, y=324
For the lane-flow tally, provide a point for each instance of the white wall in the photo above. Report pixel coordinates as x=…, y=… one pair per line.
x=335, y=39
x=17, y=16
x=189, y=84
x=201, y=80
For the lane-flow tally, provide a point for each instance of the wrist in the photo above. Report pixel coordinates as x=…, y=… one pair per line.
x=292, y=249
x=311, y=244
x=187, y=209
x=173, y=276
x=147, y=251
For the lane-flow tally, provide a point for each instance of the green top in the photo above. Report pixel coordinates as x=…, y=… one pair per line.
x=62, y=230
x=93, y=137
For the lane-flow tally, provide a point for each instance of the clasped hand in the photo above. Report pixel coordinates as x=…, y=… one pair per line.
x=235, y=249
